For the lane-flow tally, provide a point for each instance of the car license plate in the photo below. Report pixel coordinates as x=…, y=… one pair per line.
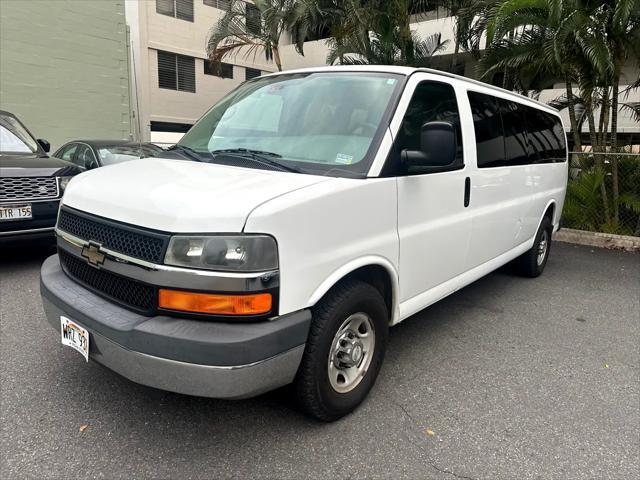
x=74, y=336
x=15, y=212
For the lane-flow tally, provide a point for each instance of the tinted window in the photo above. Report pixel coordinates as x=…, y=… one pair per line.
x=85, y=157
x=67, y=152
x=515, y=132
x=545, y=137
x=431, y=101
x=487, y=124
x=224, y=70
x=250, y=73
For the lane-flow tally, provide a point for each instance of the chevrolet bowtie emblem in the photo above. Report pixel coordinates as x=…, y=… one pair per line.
x=93, y=254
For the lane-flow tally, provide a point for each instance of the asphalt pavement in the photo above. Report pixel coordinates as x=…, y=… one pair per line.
x=509, y=378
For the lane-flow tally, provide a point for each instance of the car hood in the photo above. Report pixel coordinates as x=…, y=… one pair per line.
x=180, y=196
x=34, y=166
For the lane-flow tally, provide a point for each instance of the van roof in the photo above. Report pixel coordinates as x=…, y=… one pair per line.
x=406, y=71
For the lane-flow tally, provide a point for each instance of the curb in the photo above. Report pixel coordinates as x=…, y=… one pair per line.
x=598, y=239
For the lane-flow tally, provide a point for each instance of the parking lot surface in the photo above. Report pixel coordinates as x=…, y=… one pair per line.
x=508, y=378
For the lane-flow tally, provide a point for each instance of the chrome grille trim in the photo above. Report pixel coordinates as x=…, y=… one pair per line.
x=19, y=189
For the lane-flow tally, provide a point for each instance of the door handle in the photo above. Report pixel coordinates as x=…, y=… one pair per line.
x=467, y=191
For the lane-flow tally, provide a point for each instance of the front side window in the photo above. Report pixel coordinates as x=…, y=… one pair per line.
x=67, y=152
x=431, y=101
x=176, y=72
x=181, y=9
x=14, y=138
x=322, y=123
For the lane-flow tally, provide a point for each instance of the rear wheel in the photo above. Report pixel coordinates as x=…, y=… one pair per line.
x=532, y=263
x=344, y=351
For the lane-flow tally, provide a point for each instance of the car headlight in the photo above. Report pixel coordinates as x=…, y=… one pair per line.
x=64, y=181
x=237, y=253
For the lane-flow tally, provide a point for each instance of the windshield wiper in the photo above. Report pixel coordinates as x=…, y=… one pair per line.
x=189, y=152
x=258, y=156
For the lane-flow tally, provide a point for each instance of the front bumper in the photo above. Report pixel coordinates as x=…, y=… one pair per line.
x=41, y=225
x=194, y=357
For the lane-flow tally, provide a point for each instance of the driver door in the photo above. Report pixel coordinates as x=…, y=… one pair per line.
x=434, y=225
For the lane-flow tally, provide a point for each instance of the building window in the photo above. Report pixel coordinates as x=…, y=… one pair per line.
x=221, y=4
x=224, y=70
x=253, y=19
x=182, y=9
x=250, y=73
x=176, y=72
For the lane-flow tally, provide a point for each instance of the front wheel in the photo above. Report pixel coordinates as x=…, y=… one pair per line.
x=532, y=263
x=344, y=351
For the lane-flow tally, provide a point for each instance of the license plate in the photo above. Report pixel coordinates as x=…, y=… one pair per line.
x=15, y=212
x=74, y=336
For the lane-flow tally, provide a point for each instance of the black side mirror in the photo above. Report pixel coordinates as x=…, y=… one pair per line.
x=46, y=146
x=438, y=146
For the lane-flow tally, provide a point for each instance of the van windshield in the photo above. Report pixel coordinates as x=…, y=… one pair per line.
x=327, y=123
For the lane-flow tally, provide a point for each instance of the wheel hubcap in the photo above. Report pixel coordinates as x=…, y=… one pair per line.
x=351, y=352
x=542, y=247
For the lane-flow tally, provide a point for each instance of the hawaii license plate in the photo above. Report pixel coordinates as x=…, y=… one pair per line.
x=15, y=212
x=74, y=336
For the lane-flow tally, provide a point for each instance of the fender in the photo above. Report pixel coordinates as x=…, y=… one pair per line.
x=352, y=266
x=555, y=214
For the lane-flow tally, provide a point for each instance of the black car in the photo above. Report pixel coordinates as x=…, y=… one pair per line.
x=90, y=154
x=31, y=182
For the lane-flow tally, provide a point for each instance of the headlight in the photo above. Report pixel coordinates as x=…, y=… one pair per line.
x=242, y=253
x=64, y=181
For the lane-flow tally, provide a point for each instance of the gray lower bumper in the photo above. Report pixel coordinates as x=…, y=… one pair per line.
x=110, y=326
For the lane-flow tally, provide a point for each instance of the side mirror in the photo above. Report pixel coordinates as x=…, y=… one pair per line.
x=438, y=146
x=46, y=146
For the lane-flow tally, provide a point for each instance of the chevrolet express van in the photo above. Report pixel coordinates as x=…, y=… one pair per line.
x=319, y=207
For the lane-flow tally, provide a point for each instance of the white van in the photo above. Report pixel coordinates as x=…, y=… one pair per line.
x=319, y=207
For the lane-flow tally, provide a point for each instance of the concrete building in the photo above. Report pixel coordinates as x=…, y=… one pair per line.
x=63, y=68
x=171, y=74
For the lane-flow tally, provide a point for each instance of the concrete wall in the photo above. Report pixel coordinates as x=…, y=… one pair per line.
x=150, y=32
x=64, y=68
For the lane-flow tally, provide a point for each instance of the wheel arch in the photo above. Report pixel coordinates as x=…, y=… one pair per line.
x=377, y=271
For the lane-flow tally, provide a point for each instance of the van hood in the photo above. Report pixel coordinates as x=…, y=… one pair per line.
x=180, y=196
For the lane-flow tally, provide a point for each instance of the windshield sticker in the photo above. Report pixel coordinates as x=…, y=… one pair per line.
x=391, y=81
x=344, y=159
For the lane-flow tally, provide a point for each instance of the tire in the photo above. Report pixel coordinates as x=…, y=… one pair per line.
x=530, y=264
x=361, y=307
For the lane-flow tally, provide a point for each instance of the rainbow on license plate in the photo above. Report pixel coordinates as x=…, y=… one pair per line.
x=74, y=336
x=15, y=212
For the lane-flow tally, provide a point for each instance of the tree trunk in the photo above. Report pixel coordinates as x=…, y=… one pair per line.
x=276, y=57
x=454, y=59
x=593, y=134
x=577, y=142
x=614, y=146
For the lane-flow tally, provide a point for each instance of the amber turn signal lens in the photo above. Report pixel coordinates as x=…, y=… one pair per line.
x=217, y=304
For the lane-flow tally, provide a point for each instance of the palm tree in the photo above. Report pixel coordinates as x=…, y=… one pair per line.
x=250, y=29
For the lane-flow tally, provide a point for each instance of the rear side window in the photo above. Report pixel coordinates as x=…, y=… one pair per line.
x=515, y=132
x=545, y=136
x=489, y=132
x=510, y=134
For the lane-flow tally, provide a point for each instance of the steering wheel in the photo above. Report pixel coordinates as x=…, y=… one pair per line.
x=363, y=127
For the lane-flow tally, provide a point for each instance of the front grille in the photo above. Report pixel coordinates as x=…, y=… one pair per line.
x=145, y=245
x=130, y=293
x=28, y=188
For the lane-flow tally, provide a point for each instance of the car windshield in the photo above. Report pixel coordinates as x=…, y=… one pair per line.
x=125, y=153
x=14, y=138
x=327, y=123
